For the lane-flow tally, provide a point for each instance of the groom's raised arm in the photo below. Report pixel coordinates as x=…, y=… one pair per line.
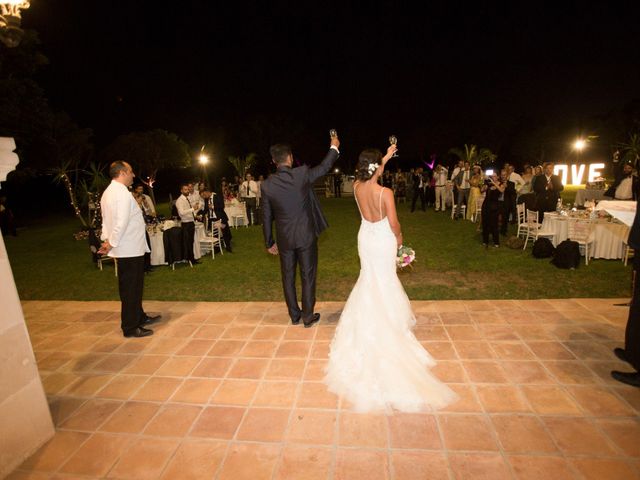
x=326, y=164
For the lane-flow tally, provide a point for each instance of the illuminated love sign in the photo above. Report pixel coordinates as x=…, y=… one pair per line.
x=577, y=173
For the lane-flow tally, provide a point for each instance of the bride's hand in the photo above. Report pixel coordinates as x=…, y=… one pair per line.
x=390, y=151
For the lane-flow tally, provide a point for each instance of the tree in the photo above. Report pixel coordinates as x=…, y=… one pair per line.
x=243, y=164
x=630, y=150
x=474, y=155
x=149, y=152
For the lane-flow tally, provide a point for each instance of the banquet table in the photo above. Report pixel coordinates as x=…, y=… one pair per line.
x=608, y=237
x=235, y=210
x=585, y=194
x=171, y=228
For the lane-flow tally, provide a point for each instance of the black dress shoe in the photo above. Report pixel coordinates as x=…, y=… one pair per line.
x=630, y=378
x=295, y=322
x=195, y=262
x=139, y=332
x=314, y=319
x=150, y=319
x=621, y=354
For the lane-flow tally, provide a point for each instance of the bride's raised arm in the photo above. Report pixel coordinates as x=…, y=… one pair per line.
x=376, y=175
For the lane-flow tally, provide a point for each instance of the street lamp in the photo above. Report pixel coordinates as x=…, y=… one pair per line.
x=579, y=144
x=203, y=159
x=10, y=19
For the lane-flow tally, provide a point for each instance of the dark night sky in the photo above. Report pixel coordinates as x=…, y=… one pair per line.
x=436, y=77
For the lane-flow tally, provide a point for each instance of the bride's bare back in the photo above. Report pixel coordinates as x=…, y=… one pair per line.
x=376, y=203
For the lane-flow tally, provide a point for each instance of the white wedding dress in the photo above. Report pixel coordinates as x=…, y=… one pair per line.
x=375, y=362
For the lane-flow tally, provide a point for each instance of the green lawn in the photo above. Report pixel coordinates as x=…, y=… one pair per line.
x=49, y=264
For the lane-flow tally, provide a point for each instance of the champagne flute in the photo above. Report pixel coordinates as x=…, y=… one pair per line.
x=333, y=133
x=393, y=140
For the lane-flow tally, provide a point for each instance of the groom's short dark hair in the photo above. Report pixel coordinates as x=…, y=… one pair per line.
x=280, y=152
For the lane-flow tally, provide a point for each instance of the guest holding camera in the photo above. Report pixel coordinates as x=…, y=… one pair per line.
x=494, y=190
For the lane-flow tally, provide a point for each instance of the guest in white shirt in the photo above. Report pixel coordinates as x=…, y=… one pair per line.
x=194, y=196
x=441, y=174
x=187, y=211
x=462, y=182
x=123, y=235
x=249, y=192
x=144, y=201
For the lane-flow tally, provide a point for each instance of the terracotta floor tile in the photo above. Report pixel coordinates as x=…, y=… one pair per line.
x=512, y=351
x=226, y=348
x=55, y=452
x=467, y=432
x=315, y=371
x=316, y=395
x=253, y=368
x=431, y=333
x=312, y=427
x=549, y=400
x=527, y=372
x=485, y=372
x=313, y=461
x=165, y=346
x=450, y=372
x=173, y=420
x=302, y=334
x=600, y=402
x=178, y=366
x=320, y=350
x=158, y=389
x=122, y=386
x=362, y=430
x=523, y=434
x=264, y=425
x=276, y=394
x=56, y=382
x=220, y=318
x=260, y=348
x=268, y=333
x=536, y=468
x=625, y=433
x=212, y=367
x=502, y=399
x=570, y=372
x=455, y=318
x=498, y=332
x=550, y=351
x=88, y=385
x=145, y=364
x=441, y=350
x=91, y=415
x=144, y=459
x=534, y=333
x=598, y=469
x=130, y=418
x=62, y=408
x=467, y=400
x=419, y=466
x=325, y=332
x=474, y=350
x=250, y=462
x=114, y=363
x=291, y=349
x=235, y=392
x=195, y=390
x=210, y=332
x=577, y=436
x=281, y=369
x=361, y=465
x=475, y=466
x=218, y=422
x=414, y=430
x=96, y=456
x=195, y=348
x=177, y=331
x=195, y=460
x=463, y=332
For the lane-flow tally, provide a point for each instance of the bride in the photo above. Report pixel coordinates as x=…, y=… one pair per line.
x=375, y=362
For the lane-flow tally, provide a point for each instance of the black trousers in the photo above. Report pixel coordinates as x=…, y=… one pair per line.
x=418, y=192
x=508, y=208
x=188, y=232
x=490, y=224
x=130, y=286
x=307, y=258
x=147, y=256
x=251, y=209
x=632, y=332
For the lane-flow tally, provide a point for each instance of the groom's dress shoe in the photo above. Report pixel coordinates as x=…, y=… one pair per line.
x=314, y=319
x=621, y=354
x=295, y=322
x=149, y=320
x=139, y=332
x=630, y=378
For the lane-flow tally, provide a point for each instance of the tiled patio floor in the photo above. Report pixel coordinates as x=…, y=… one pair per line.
x=230, y=391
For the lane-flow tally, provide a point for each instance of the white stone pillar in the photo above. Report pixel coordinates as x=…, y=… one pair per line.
x=25, y=419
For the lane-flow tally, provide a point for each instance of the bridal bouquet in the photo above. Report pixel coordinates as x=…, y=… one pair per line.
x=406, y=256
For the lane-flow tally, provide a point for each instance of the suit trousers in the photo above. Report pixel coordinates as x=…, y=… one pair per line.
x=251, y=205
x=188, y=232
x=130, y=286
x=307, y=258
x=463, y=198
x=632, y=331
x=441, y=198
x=418, y=192
x=490, y=224
x=509, y=209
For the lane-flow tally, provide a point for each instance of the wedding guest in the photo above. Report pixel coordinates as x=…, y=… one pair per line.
x=187, y=212
x=527, y=176
x=337, y=185
x=144, y=201
x=213, y=211
x=194, y=197
x=440, y=186
x=474, y=192
x=547, y=187
x=626, y=184
x=249, y=193
x=463, y=186
x=493, y=188
x=418, y=190
x=123, y=236
x=512, y=180
x=537, y=170
x=400, y=186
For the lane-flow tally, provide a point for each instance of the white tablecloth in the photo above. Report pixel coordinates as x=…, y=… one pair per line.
x=608, y=238
x=623, y=210
x=234, y=210
x=585, y=194
x=157, y=242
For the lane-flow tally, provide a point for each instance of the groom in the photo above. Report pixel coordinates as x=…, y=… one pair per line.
x=288, y=197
